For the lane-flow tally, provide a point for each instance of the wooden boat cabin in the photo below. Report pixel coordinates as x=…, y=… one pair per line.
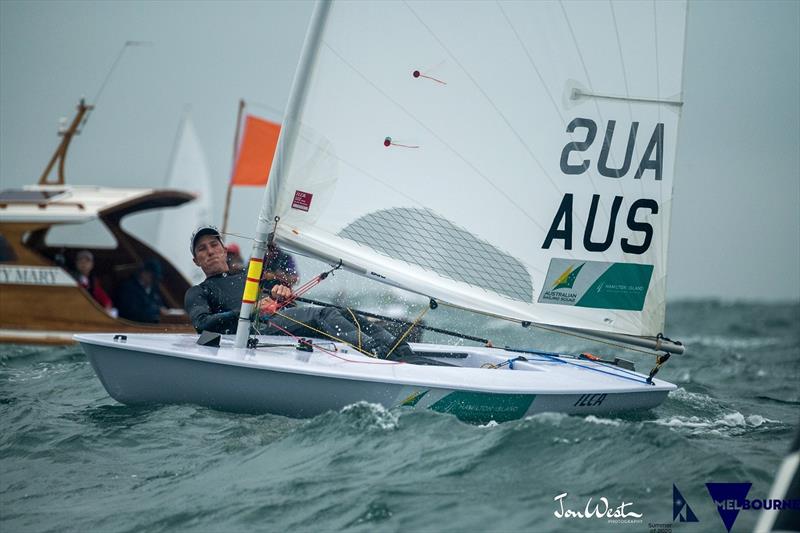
x=40, y=299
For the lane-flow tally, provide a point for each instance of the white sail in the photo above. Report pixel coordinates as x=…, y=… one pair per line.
x=188, y=171
x=516, y=158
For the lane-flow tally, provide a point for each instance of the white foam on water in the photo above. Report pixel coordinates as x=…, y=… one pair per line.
x=602, y=421
x=489, y=424
x=695, y=399
x=377, y=415
x=547, y=418
x=729, y=424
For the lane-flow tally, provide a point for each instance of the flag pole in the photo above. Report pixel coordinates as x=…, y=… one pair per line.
x=233, y=166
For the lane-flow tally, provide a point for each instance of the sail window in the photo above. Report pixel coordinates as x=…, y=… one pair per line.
x=423, y=238
x=23, y=196
x=90, y=234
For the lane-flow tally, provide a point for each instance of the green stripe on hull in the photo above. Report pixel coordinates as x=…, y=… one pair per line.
x=482, y=407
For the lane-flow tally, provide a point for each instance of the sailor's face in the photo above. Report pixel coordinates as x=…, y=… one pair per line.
x=210, y=255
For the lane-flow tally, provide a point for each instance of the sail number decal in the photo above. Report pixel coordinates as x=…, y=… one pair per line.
x=650, y=165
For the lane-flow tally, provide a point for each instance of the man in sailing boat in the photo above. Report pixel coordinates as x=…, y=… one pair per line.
x=214, y=304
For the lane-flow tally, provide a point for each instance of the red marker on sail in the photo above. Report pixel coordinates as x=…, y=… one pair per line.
x=387, y=142
x=418, y=74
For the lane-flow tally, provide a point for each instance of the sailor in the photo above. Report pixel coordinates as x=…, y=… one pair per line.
x=214, y=304
x=235, y=261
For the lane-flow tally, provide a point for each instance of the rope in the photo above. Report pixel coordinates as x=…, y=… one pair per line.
x=396, y=344
x=315, y=330
x=398, y=321
x=332, y=354
x=358, y=325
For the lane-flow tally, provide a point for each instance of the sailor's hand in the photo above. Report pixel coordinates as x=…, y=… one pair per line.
x=267, y=307
x=281, y=292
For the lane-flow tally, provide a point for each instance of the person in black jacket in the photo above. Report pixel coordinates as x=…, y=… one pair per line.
x=139, y=298
x=214, y=304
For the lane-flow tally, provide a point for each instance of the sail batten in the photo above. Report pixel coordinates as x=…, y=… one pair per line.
x=526, y=174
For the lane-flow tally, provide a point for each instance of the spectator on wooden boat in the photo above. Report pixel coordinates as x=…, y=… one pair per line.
x=214, y=304
x=139, y=298
x=235, y=261
x=84, y=273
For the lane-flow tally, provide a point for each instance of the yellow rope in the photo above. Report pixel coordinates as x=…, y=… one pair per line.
x=396, y=344
x=358, y=326
x=325, y=334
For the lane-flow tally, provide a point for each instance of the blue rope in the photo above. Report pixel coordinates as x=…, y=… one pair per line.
x=555, y=356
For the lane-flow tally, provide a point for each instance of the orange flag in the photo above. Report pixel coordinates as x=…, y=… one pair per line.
x=259, y=141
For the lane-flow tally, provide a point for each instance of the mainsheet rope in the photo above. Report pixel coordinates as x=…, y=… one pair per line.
x=309, y=343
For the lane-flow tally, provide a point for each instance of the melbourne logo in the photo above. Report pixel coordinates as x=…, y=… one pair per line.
x=729, y=499
x=680, y=507
x=601, y=509
x=567, y=279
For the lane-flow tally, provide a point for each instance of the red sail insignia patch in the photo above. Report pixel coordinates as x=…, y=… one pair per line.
x=302, y=200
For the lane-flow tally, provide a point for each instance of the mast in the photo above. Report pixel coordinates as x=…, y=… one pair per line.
x=285, y=147
x=233, y=166
x=60, y=154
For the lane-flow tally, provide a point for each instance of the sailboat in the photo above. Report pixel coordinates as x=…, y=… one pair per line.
x=188, y=170
x=513, y=159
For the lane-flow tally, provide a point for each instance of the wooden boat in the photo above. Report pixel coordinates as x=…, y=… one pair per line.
x=40, y=301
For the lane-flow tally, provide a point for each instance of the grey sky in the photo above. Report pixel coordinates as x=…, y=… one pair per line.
x=736, y=209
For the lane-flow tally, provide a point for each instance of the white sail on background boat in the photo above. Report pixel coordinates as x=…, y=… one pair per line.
x=188, y=170
x=512, y=158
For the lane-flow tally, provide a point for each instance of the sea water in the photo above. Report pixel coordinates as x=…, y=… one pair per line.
x=72, y=459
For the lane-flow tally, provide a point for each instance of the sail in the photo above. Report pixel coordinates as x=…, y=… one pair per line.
x=515, y=158
x=188, y=171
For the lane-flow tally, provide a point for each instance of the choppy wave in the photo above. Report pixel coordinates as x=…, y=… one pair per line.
x=367, y=415
x=110, y=467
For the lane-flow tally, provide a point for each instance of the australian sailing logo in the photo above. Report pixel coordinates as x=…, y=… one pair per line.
x=567, y=279
x=561, y=289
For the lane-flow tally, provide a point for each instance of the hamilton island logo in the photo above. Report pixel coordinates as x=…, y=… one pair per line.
x=729, y=498
x=567, y=279
x=680, y=507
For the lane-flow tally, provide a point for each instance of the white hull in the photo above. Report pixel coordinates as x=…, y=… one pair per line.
x=168, y=369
